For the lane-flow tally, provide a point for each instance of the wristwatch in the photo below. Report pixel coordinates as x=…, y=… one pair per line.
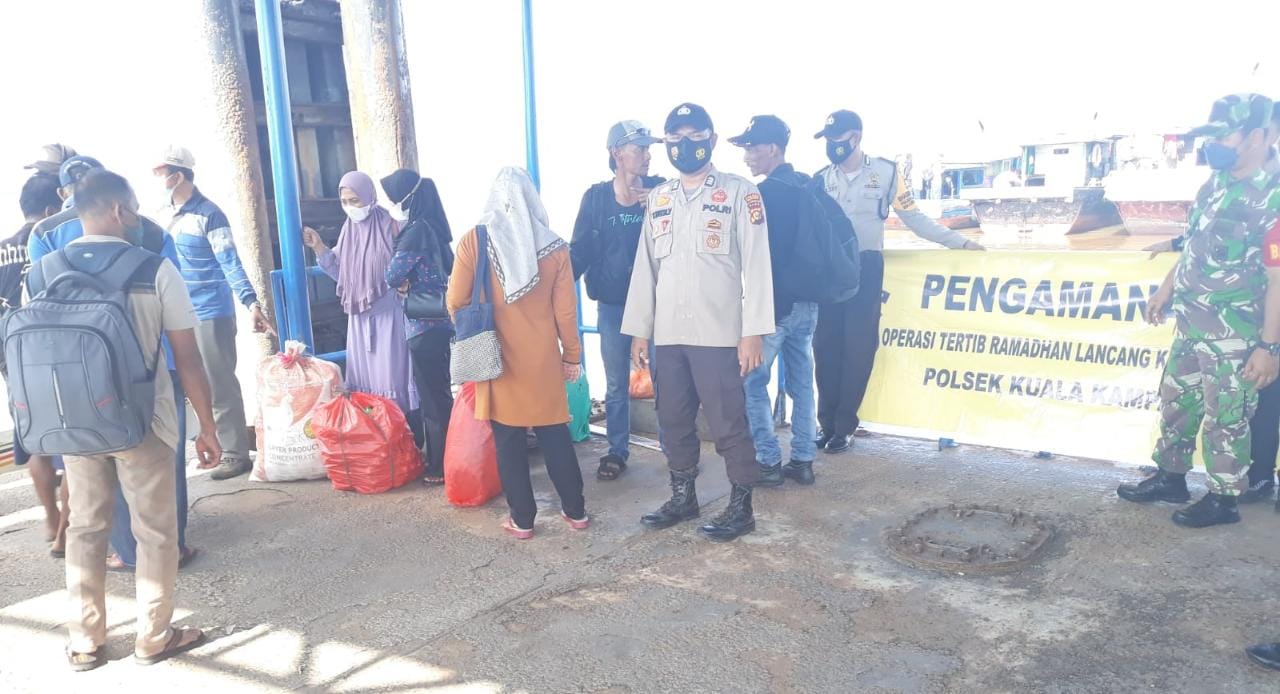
x=1273, y=348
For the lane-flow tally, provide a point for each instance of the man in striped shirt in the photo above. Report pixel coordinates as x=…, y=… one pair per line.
x=213, y=273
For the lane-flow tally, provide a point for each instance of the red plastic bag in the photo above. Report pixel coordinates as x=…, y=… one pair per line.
x=641, y=385
x=470, y=457
x=366, y=444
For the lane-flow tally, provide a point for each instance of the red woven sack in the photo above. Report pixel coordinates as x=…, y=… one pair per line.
x=366, y=444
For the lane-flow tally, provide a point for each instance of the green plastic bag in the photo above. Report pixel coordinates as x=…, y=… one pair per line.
x=579, y=408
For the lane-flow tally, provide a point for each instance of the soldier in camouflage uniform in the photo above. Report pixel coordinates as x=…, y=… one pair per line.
x=1225, y=294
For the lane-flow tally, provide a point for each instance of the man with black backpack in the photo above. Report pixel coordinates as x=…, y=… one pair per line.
x=848, y=333
x=88, y=382
x=793, y=252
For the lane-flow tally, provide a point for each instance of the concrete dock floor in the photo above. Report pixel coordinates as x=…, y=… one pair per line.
x=305, y=588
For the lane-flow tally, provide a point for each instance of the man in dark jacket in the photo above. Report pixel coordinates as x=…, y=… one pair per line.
x=605, y=238
x=765, y=142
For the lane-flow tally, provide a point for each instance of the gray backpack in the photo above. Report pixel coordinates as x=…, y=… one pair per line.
x=79, y=383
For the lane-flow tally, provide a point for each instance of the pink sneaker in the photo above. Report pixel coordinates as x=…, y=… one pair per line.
x=577, y=524
x=516, y=531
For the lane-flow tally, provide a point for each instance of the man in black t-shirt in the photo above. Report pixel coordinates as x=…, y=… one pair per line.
x=605, y=238
x=39, y=199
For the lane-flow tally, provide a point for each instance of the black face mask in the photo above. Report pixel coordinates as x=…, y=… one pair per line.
x=688, y=155
x=838, y=152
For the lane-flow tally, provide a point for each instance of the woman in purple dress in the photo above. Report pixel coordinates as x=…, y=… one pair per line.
x=377, y=349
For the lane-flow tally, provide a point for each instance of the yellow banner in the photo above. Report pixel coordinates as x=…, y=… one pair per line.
x=1042, y=351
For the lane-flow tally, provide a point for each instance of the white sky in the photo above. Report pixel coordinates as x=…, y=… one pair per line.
x=107, y=77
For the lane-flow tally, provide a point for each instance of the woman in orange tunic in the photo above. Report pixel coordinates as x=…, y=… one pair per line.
x=536, y=313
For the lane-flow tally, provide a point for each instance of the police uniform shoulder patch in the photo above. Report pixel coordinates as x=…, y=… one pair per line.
x=711, y=181
x=755, y=208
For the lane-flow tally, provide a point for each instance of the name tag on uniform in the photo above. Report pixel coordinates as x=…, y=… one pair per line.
x=659, y=214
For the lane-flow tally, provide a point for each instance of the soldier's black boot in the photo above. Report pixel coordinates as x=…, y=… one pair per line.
x=771, y=476
x=736, y=520
x=1162, y=486
x=1212, y=509
x=799, y=470
x=682, y=506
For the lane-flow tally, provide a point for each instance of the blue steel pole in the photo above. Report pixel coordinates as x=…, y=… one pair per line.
x=530, y=103
x=284, y=173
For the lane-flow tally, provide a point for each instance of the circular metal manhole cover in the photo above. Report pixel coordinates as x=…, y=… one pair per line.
x=970, y=539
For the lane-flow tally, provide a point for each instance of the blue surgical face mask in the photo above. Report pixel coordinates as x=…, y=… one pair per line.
x=1220, y=157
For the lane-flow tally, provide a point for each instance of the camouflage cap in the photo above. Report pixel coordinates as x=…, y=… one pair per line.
x=1236, y=112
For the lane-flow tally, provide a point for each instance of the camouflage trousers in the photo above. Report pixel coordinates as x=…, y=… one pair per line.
x=1202, y=384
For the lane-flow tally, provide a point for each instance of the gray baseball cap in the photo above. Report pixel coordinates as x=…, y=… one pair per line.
x=630, y=132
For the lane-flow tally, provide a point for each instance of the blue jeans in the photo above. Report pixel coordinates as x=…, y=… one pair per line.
x=794, y=342
x=122, y=541
x=615, y=352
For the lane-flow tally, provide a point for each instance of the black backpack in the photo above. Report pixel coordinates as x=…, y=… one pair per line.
x=824, y=265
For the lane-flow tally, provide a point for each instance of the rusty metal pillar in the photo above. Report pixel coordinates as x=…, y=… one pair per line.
x=378, y=83
x=241, y=162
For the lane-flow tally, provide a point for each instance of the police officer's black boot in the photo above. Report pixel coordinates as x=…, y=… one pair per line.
x=799, y=470
x=682, y=506
x=771, y=476
x=1212, y=509
x=1162, y=486
x=737, y=518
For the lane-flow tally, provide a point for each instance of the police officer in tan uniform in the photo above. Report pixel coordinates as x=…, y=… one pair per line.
x=844, y=344
x=702, y=290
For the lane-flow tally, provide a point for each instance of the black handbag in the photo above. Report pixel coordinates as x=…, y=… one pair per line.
x=427, y=305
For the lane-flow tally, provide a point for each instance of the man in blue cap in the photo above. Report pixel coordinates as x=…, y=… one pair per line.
x=605, y=237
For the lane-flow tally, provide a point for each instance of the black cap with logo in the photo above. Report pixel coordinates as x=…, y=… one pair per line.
x=763, y=130
x=690, y=115
x=838, y=123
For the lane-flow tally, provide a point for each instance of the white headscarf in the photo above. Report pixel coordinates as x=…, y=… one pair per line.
x=518, y=233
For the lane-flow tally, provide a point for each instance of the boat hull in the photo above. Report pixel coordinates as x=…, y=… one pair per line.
x=1157, y=217
x=1086, y=210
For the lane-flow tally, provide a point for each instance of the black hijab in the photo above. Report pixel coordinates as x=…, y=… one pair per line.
x=427, y=230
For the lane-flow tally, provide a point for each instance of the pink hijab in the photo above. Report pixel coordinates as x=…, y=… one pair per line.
x=364, y=249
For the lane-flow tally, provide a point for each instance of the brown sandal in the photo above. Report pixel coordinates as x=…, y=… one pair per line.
x=180, y=641
x=84, y=662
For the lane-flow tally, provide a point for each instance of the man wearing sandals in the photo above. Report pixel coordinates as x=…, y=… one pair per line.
x=605, y=237
x=109, y=215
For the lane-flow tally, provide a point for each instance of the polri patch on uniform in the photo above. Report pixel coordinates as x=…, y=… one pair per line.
x=719, y=196
x=718, y=209
x=755, y=209
x=658, y=214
